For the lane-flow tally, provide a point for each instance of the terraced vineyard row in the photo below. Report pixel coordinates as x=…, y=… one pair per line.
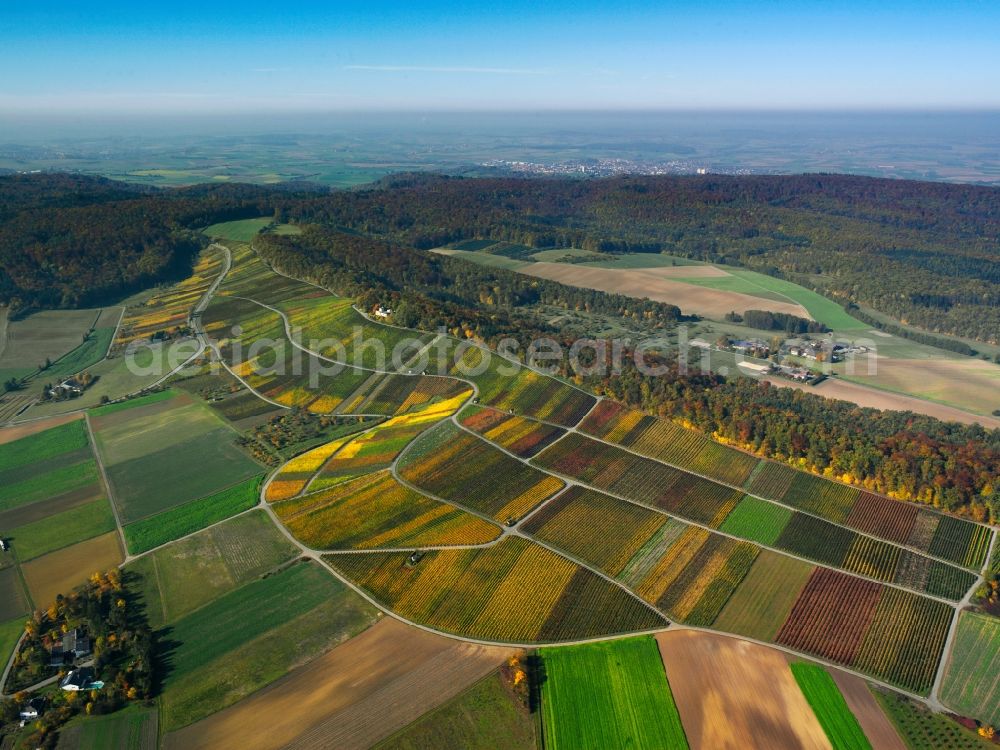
x=665, y=441
x=515, y=591
x=947, y=537
x=717, y=506
x=451, y=463
x=377, y=511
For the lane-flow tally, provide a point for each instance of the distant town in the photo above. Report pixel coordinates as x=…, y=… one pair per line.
x=611, y=167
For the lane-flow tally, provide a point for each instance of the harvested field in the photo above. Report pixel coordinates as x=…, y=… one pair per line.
x=641, y=283
x=876, y=725
x=715, y=676
x=863, y=395
x=353, y=696
x=18, y=431
x=48, y=334
x=59, y=572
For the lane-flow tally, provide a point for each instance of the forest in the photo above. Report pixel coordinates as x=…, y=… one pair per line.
x=926, y=254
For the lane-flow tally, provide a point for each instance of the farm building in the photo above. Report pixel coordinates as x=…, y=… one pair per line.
x=74, y=645
x=80, y=679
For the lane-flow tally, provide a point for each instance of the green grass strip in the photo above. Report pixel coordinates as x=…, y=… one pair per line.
x=63, y=529
x=757, y=520
x=608, y=694
x=151, y=398
x=193, y=516
x=827, y=702
x=43, y=445
x=47, y=485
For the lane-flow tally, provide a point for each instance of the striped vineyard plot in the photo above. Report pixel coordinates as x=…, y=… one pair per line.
x=377, y=511
x=598, y=529
x=514, y=591
x=666, y=441
x=461, y=468
x=522, y=437
x=510, y=387
x=893, y=635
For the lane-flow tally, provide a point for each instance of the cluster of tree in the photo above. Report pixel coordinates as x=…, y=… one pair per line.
x=953, y=345
x=122, y=644
x=901, y=454
x=765, y=320
x=921, y=252
x=275, y=440
x=924, y=253
x=380, y=272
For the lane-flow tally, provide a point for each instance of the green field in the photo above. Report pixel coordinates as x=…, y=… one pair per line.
x=49, y=334
x=177, y=438
x=612, y=694
x=827, y=702
x=132, y=728
x=483, y=717
x=42, y=445
x=188, y=518
x=13, y=602
x=10, y=632
x=971, y=685
x=180, y=578
x=644, y=260
x=757, y=520
x=149, y=398
x=922, y=729
x=760, y=605
x=483, y=259
x=86, y=355
x=115, y=379
x=250, y=637
x=63, y=529
x=243, y=230
x=48, y=484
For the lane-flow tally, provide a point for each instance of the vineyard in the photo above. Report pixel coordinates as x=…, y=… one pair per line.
x=698, y=500
x=452, y=464
x=522, y=437
x=891, y=634
x=377, y=511
x=166, y=312
x=598, y=529
x=953, y=539
x=510, y=387
x=514, y=591
x=665, y=441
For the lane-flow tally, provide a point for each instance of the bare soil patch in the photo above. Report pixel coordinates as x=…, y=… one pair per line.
x=353, y=696
x=876, y=725
x=61, y=571
x=862, y=395
x=737, y=694
x=18, y=431
x=639, y=283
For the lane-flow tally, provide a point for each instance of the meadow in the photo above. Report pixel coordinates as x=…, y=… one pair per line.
x=174, y=437
x=182, y=577
x=831, y=709
x=132, y=728
x=970, y=685
x=250, y=637
x=43, y=336
x=192, y=516
x=241, y=230
x=605, y=695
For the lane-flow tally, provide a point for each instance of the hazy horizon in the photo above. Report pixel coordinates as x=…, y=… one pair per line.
x=250, y=57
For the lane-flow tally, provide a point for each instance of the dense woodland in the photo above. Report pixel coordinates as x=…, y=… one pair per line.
x=923, y=252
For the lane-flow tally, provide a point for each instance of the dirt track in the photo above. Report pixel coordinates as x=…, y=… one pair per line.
x=656, y=285
x=355, y=695
x=737, y=695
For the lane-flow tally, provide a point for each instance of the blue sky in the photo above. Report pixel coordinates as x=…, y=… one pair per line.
x=182, y=56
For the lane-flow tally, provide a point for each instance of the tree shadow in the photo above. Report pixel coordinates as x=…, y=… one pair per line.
x=535, y=666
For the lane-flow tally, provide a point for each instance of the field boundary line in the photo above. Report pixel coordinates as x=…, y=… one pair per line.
x=107, y=487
